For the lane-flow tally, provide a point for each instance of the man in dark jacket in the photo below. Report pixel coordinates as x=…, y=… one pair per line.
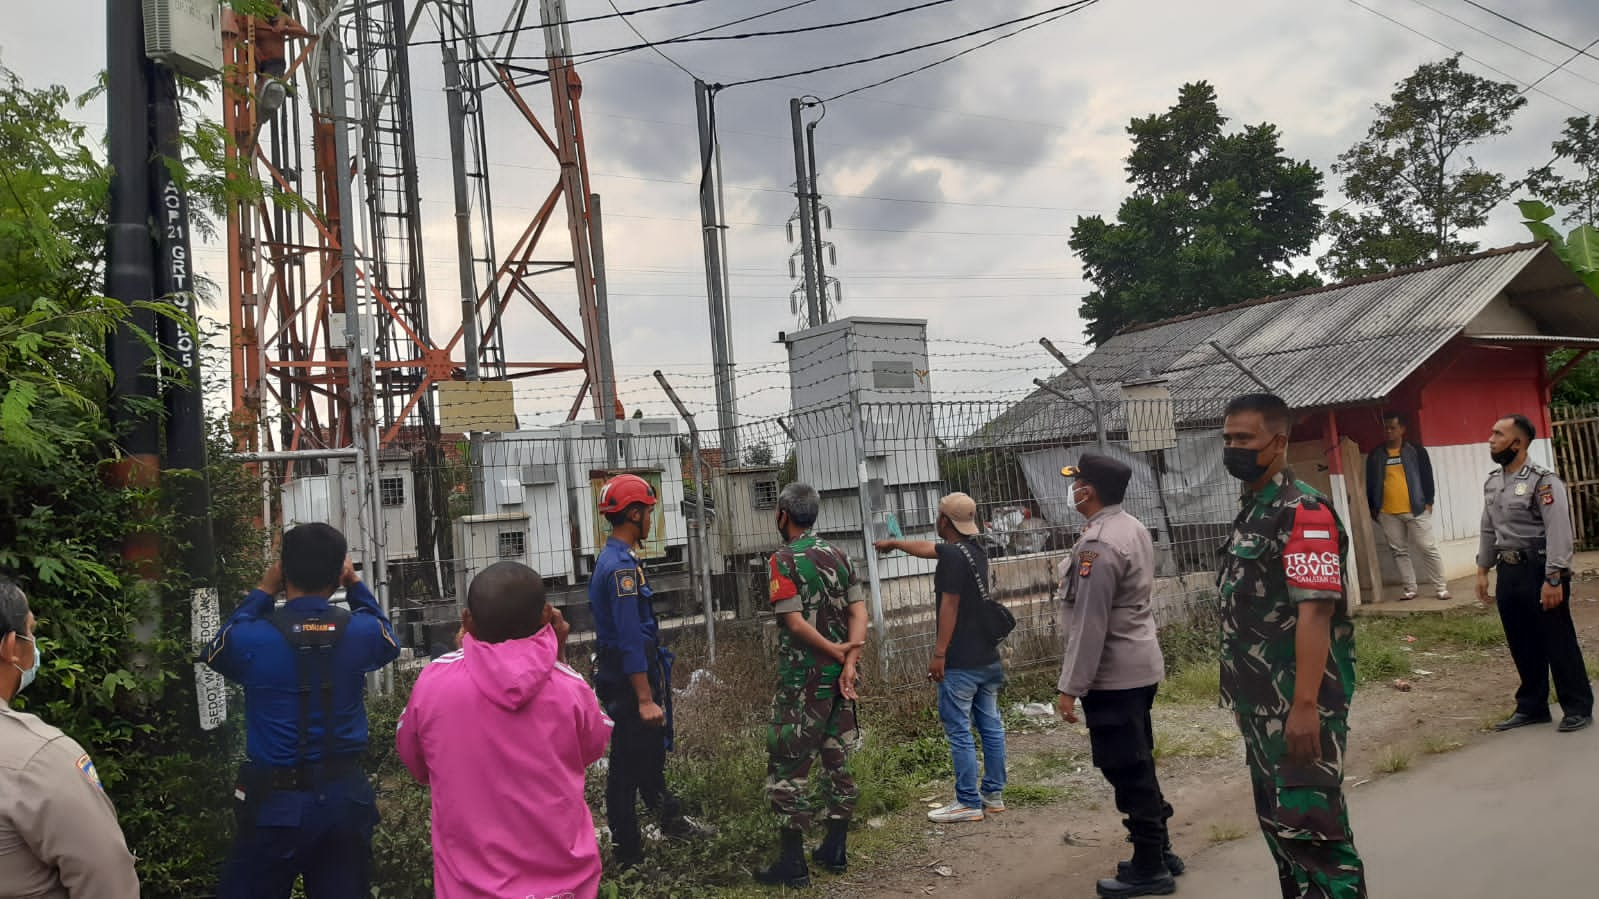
x=1400, y=490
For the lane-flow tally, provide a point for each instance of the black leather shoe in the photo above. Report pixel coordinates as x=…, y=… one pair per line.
x=1572, y=723
x=1521, y=720
x=1174, y=864
x=1155, y=883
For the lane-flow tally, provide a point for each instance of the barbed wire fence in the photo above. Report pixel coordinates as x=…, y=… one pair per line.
x=451, y=505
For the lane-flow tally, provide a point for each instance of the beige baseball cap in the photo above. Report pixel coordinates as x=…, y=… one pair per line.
x=961, y=510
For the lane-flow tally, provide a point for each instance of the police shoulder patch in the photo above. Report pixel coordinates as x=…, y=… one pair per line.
x=627, y=582
x=86, y=768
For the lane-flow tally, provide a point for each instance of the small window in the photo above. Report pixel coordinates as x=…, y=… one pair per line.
x=391, y=491
x=893, y=375
x=764, y=494
x=913, y=513
x=513, y=545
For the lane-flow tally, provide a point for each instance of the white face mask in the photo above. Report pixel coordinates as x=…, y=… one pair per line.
x=1079, y=494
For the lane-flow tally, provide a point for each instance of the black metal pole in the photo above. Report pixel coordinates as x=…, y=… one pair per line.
x=129, y=257
x=174, y=283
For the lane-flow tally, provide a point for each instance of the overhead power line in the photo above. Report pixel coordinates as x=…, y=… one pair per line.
x=1494, y=37
x=1498, y=71
x=889, y=55
x=1561, y=66
x=954, y=56
x=618, y=14
x=749, y=18
x=1580, y=51
x=752, y=35
x=662, y=53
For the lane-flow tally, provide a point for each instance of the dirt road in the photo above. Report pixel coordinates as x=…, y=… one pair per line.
x=1447, y=808
x=1497, y=819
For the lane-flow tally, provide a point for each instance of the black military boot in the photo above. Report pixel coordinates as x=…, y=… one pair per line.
x=1174, y=864
x=1145, y=875
x=832, y=854
x=1155, y=882
x=790, y=869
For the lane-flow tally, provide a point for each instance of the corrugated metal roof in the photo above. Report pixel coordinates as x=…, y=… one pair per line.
x=1347, y=344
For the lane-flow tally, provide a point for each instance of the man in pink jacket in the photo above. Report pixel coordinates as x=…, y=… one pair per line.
x=503, y=733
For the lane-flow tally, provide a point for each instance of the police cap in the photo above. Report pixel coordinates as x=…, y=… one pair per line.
x=1108, y=475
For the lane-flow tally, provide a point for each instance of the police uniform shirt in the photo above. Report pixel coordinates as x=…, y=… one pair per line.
x=1107, y=612
x=58, y=830
x=1526, y=511
x=250, y=650
x=619, y=598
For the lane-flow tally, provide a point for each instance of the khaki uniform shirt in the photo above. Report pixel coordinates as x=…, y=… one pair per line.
x=59, y=837
x=1106, y=609
x=1528, y=511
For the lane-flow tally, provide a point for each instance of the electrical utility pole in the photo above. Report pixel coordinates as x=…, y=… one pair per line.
x=713, y=234
x=824, y=284
x=808, y=240
x=130, y=268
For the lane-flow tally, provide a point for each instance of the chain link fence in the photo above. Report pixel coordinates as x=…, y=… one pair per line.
x=450, y=505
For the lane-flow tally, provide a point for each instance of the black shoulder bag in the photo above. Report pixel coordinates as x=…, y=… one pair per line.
x=996, y=619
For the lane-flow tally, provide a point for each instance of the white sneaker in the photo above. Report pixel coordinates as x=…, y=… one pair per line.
x=993, y=803
x=955, y=813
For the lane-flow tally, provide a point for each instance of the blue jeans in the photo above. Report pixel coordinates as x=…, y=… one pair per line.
x=966, y=695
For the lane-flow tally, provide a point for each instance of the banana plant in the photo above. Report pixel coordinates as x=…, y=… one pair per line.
x=1579, y=249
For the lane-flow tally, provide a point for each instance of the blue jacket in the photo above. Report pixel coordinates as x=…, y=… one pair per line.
x=619, y=598
x=1418, y=477
x=251, y=651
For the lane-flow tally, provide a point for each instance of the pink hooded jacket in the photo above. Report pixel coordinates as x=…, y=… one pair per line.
x=503, y=733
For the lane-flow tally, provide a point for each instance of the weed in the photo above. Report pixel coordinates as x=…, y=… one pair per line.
x=1226, y=833
x=1194, y=684
x=1438, y=744
x=1378, y=659
x=1393, y=760
x=1024, y=795
x=1206, y=744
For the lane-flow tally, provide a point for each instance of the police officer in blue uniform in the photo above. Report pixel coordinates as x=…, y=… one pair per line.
x=302, y=804
x=632, y=673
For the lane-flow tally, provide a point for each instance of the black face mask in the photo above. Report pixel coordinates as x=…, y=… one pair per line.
x=1505, y=456
x=1243, y=463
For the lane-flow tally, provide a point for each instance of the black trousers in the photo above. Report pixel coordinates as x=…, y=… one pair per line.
x=1542, y=643
x=637, y=769
x=1122, y=737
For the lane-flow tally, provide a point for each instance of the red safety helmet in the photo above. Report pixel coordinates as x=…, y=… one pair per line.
x=624, y=490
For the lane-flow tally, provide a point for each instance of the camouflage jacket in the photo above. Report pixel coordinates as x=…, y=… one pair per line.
x=1287, y=547
x=813, y=578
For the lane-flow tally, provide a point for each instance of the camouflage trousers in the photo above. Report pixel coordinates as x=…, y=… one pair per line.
x=1302, y=811
x=806, y=723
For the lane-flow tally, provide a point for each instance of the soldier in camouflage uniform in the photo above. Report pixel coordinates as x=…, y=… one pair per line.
x=823, y=627
x=1284, y=611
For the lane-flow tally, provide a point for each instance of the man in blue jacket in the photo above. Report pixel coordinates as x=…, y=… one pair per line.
x=633, y=674
x=302, y=804
x=1400, y=491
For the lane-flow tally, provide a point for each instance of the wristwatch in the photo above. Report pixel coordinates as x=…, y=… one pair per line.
x=1553, y=579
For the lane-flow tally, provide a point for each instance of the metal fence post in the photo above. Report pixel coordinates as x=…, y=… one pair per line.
x=858, y=431
x=1093, y=391
x=699, y=517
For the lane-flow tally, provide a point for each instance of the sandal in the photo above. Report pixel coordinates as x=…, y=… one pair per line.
x=1409, y=595
x=1445, y=595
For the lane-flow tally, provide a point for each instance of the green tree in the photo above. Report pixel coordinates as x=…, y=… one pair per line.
x=1215, y=217
x=1580, y=251
x=1416, y=188
x=1578, y=146
x=759, y=453
x=126, y=695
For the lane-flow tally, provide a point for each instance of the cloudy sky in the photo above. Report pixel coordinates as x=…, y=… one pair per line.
x=952, y=191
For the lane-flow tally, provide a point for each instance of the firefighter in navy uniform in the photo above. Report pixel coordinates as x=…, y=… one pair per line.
x=632, y=673
x=303, y=806
x=1526, y=537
